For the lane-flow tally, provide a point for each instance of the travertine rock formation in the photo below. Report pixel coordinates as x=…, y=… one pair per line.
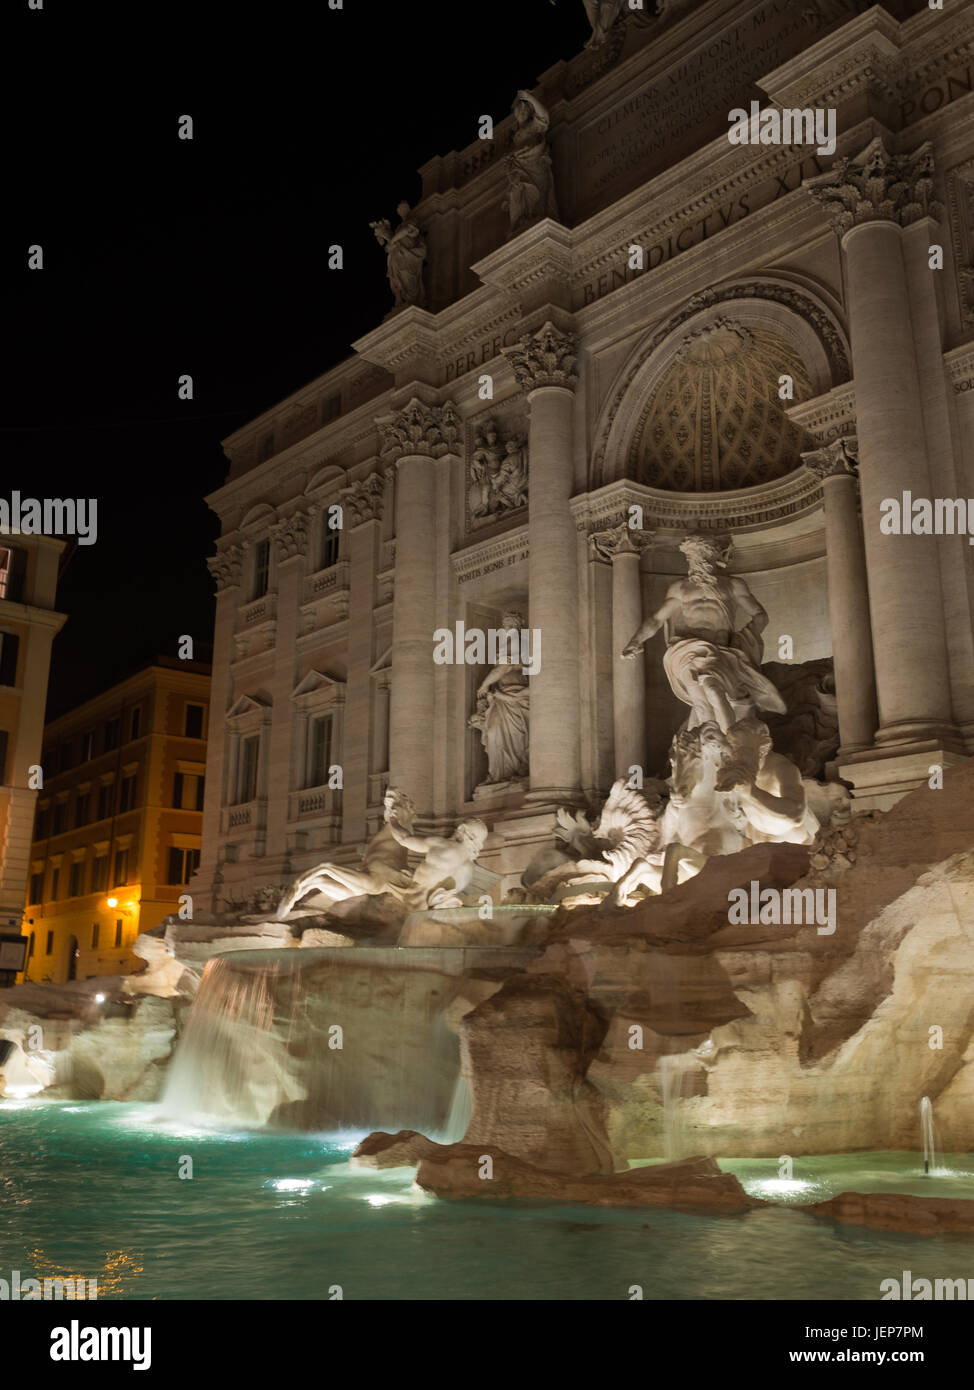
x=780, y=1039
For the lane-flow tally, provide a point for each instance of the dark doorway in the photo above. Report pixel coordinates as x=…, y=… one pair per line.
x=72, y=957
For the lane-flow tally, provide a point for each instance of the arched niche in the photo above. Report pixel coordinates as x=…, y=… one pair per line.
x=731, y=337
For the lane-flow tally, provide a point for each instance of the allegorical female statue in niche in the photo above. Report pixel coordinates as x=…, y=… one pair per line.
x=531, y=181
x=405, y=257
x=502, y=712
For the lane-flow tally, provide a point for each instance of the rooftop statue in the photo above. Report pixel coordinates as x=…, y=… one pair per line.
x=531, y=181
x=405, y=256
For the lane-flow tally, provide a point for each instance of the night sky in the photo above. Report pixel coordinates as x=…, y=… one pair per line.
x=207, y=257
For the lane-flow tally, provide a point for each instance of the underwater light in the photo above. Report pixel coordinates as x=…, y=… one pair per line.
x=292, y=1184
x=778, y=1187
x=376, y=1199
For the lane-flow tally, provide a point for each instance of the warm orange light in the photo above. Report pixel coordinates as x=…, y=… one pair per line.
x=113, y=902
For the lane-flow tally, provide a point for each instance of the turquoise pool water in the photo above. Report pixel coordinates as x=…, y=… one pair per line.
x=92, y=1190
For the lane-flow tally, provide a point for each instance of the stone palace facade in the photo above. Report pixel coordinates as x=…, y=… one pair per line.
x=614, y=326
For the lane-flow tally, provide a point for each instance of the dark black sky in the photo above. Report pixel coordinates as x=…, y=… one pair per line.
x=164, y=256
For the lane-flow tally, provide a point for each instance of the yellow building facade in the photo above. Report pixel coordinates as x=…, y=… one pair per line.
x=29, y=568
x=119, y=821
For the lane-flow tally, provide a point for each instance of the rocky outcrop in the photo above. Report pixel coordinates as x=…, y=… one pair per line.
x=403, y=1150
x=469, y=1171
x=121, y=1058
x=525, y=1052
x=894, y=1211
x=775, y=1038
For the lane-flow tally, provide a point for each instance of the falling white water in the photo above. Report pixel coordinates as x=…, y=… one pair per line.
x=931, y=1153
x=673, y=1071
x=329, y=1040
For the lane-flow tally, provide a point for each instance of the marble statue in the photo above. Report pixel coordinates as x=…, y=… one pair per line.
x=602, y=15
x=447, y=866
x=405, y=255
x=498, y=475
x=502, y=716
x=728, y=787
x=383, y=867
x=530, y=179
x=713, y=625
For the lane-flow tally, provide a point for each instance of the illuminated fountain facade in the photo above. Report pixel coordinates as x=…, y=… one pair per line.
x=588, y=767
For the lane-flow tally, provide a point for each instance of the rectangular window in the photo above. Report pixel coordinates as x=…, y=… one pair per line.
x=81, y=804
x=105, y=793
x=329, y=547
x=50, y=943
x=99, y=873
x=66, y=759
x=187, y=791
x=111, y=735
x=13, y=568
x=118, y=931
x=262, y=568
x=135, y=722
x=74, y=878
x=55, y=882
x=36, y=887
x=94, y=935
x=247, y=774
x=194, y=721
x=183, y=863
x=126, y=797
x=320, y=750
x=60, y=816
x=43, y=828
x=121, y=867
x=88, y=746
x=9, y=643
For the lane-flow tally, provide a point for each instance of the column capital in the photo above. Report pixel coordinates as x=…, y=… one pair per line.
x=545, y=358
x=429, y=431
x=225, y=567
x=362, y=501
x=291, y=535
x=840, y=458
x=876, y=186
x=619, y=540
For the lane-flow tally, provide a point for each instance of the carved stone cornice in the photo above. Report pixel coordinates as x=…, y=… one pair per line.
x=876, y=186
x=829, y=415
x=225, y=567
x=545, y=358
x=839, y=459
x=291, y=535
x=619, y=540
x=362, y=501
x=419, y=429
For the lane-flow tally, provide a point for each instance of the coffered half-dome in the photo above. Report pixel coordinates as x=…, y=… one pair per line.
x=715, y=420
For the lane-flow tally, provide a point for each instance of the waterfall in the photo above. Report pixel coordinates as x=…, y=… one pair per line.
x=673, y=1070
x=928, y=1130
x=324, y=1039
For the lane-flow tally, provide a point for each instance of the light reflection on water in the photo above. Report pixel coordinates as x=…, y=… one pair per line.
x=93, y=1189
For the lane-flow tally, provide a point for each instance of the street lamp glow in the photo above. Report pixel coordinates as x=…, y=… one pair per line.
x=113, y=902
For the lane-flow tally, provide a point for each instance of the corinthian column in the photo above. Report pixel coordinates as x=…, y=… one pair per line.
x=871, y=199
x=852, y=642
x=414, y=438
x=624, y=547
x=544, y=365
